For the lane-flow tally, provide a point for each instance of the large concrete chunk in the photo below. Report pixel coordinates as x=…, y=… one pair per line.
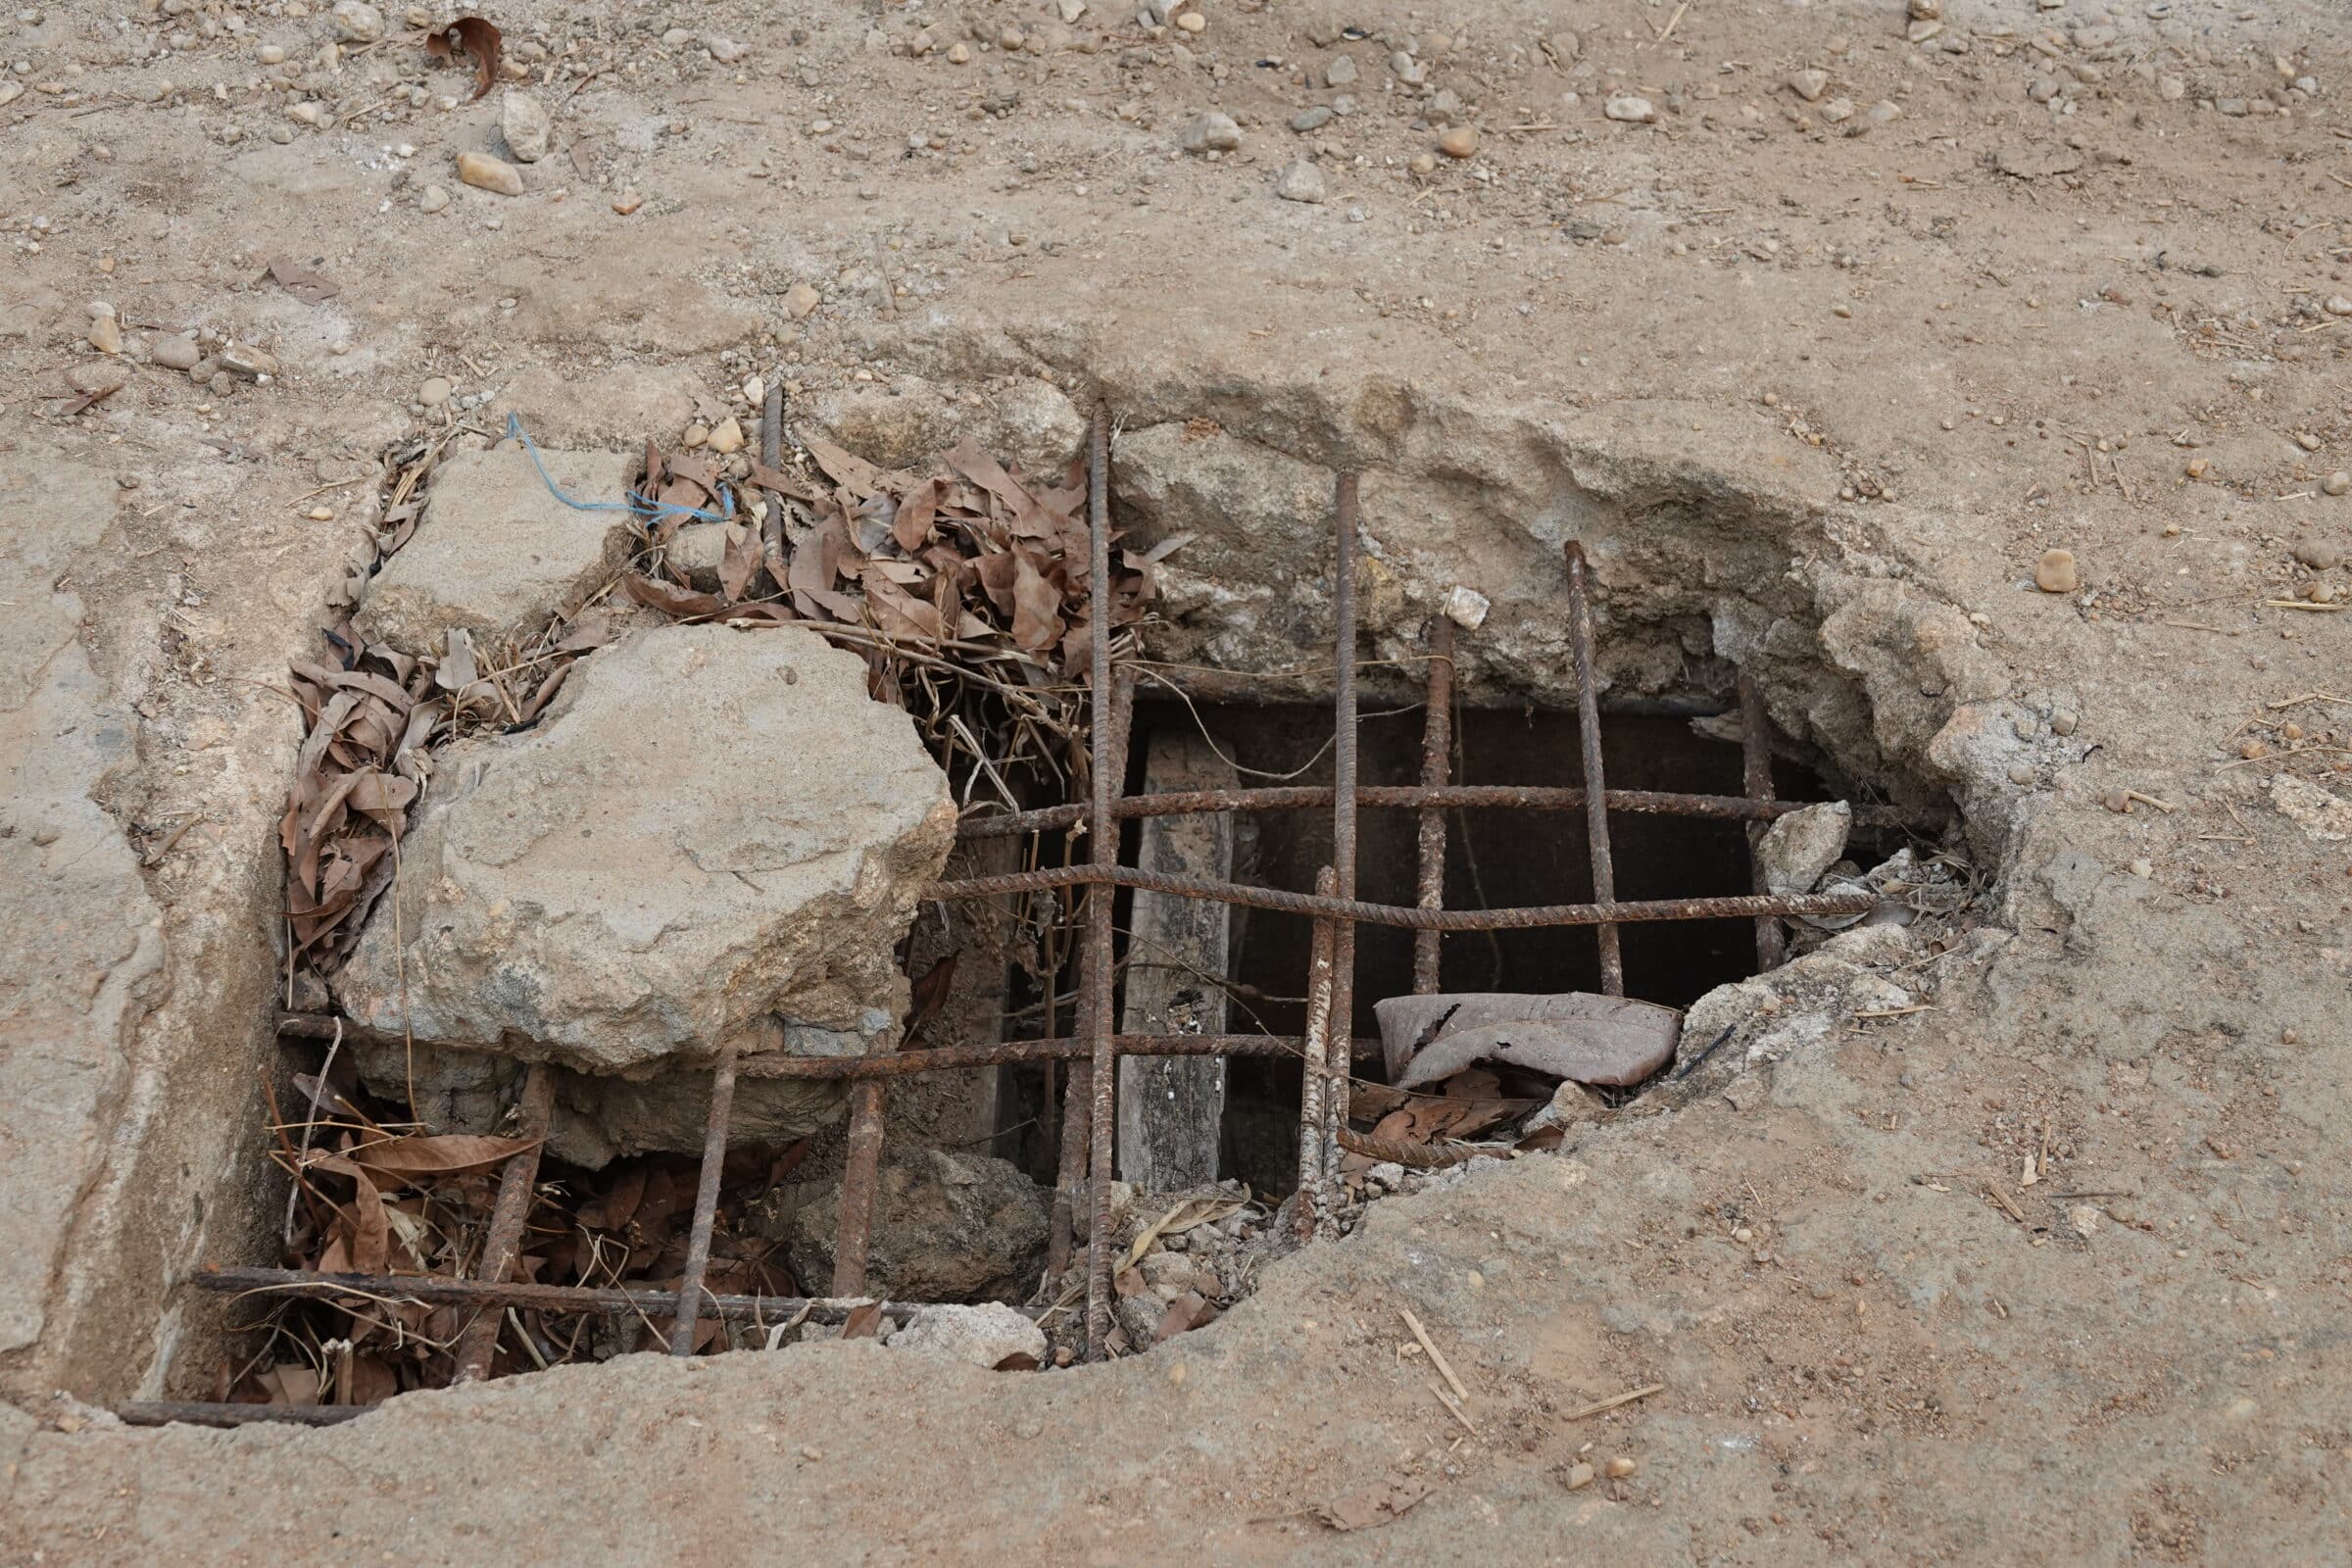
x=717, y=828
x=496, y=552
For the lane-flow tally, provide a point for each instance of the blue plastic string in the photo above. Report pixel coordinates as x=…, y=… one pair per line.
x=642, y=507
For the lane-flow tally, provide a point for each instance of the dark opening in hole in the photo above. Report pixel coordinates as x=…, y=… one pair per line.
x=1495, y=859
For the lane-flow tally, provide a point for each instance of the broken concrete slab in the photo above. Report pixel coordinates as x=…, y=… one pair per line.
x=948, y=1227
x=496, y=552
x=714, y=833
x=1576, y=1035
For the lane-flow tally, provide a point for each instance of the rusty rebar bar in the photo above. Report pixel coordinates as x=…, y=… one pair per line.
x=1437, y=767
x=1103, y=850
x=706, y=1204
x=517, y=1181
x=861, y=1172
x=434, y=1290
x=1409, y=797
x=1588, y=719
x=1755, y=767
x=1739, y=906
x=1315, y=1069
x=1342, y=1022
x=196, y=1414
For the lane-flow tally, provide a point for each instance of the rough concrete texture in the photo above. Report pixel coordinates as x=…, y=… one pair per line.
x=496, y=554
x=714, y=829
x=949, y=1226
x=1684, y=341
x=1019, y=420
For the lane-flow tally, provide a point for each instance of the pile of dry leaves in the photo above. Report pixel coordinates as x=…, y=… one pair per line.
x=966, y=585
x=372, y=1195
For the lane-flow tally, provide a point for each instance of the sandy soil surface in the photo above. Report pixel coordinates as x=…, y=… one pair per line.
x=2073, y=285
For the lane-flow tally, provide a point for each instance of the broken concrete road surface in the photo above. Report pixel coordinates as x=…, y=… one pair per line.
x=2096, y=296
x=713, y=831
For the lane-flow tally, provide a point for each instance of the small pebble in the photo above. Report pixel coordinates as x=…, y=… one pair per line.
x=1631, y=109
x=434, y=392
x=433, y=199
x=1210, y=131
x=2054, y=573
x=2337, y=483
x=1580, y=1476
x=2063, y=721
x=1458, y=142
x=176, y=353
x=726, y=438
x=485, y=172
x=1619, y=1469
x=1303, y=182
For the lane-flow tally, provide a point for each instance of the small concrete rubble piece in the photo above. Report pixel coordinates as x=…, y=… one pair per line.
x=987, y=1335
x=947, y=1226
x=496, y=552
x=1575, y=1035
x=715, y=834
x=1799, y=849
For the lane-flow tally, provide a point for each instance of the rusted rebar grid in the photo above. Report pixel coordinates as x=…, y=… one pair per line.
x=1103, y=850
x=517, y=1181
x=610, y=1300
x=1755, y=767
x=195, y=1413
x=1437, y=766
x=706, y=1204
x=861, y=1172
x=1341, y=1021
x=951, y=1058
x=1315, y=1069
x=1409, y=797
x=1588, y=719
x=1732, y=906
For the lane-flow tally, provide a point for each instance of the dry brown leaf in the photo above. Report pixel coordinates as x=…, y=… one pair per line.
x=864, y=1322
x=306, y=285
x=480, y=40
x=437, y=1154
x=1379, y=1503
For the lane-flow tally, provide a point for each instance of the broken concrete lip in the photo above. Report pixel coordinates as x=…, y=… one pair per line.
x=715, y=835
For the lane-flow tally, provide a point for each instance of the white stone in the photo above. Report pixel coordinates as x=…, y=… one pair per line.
x=1631, y=109
x=1301, y=182
x=524, y=120
x=357, y=21
x=984, y=1334
x=1466, y=607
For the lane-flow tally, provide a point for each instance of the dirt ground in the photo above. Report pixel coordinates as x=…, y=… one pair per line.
x=2073, y=292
